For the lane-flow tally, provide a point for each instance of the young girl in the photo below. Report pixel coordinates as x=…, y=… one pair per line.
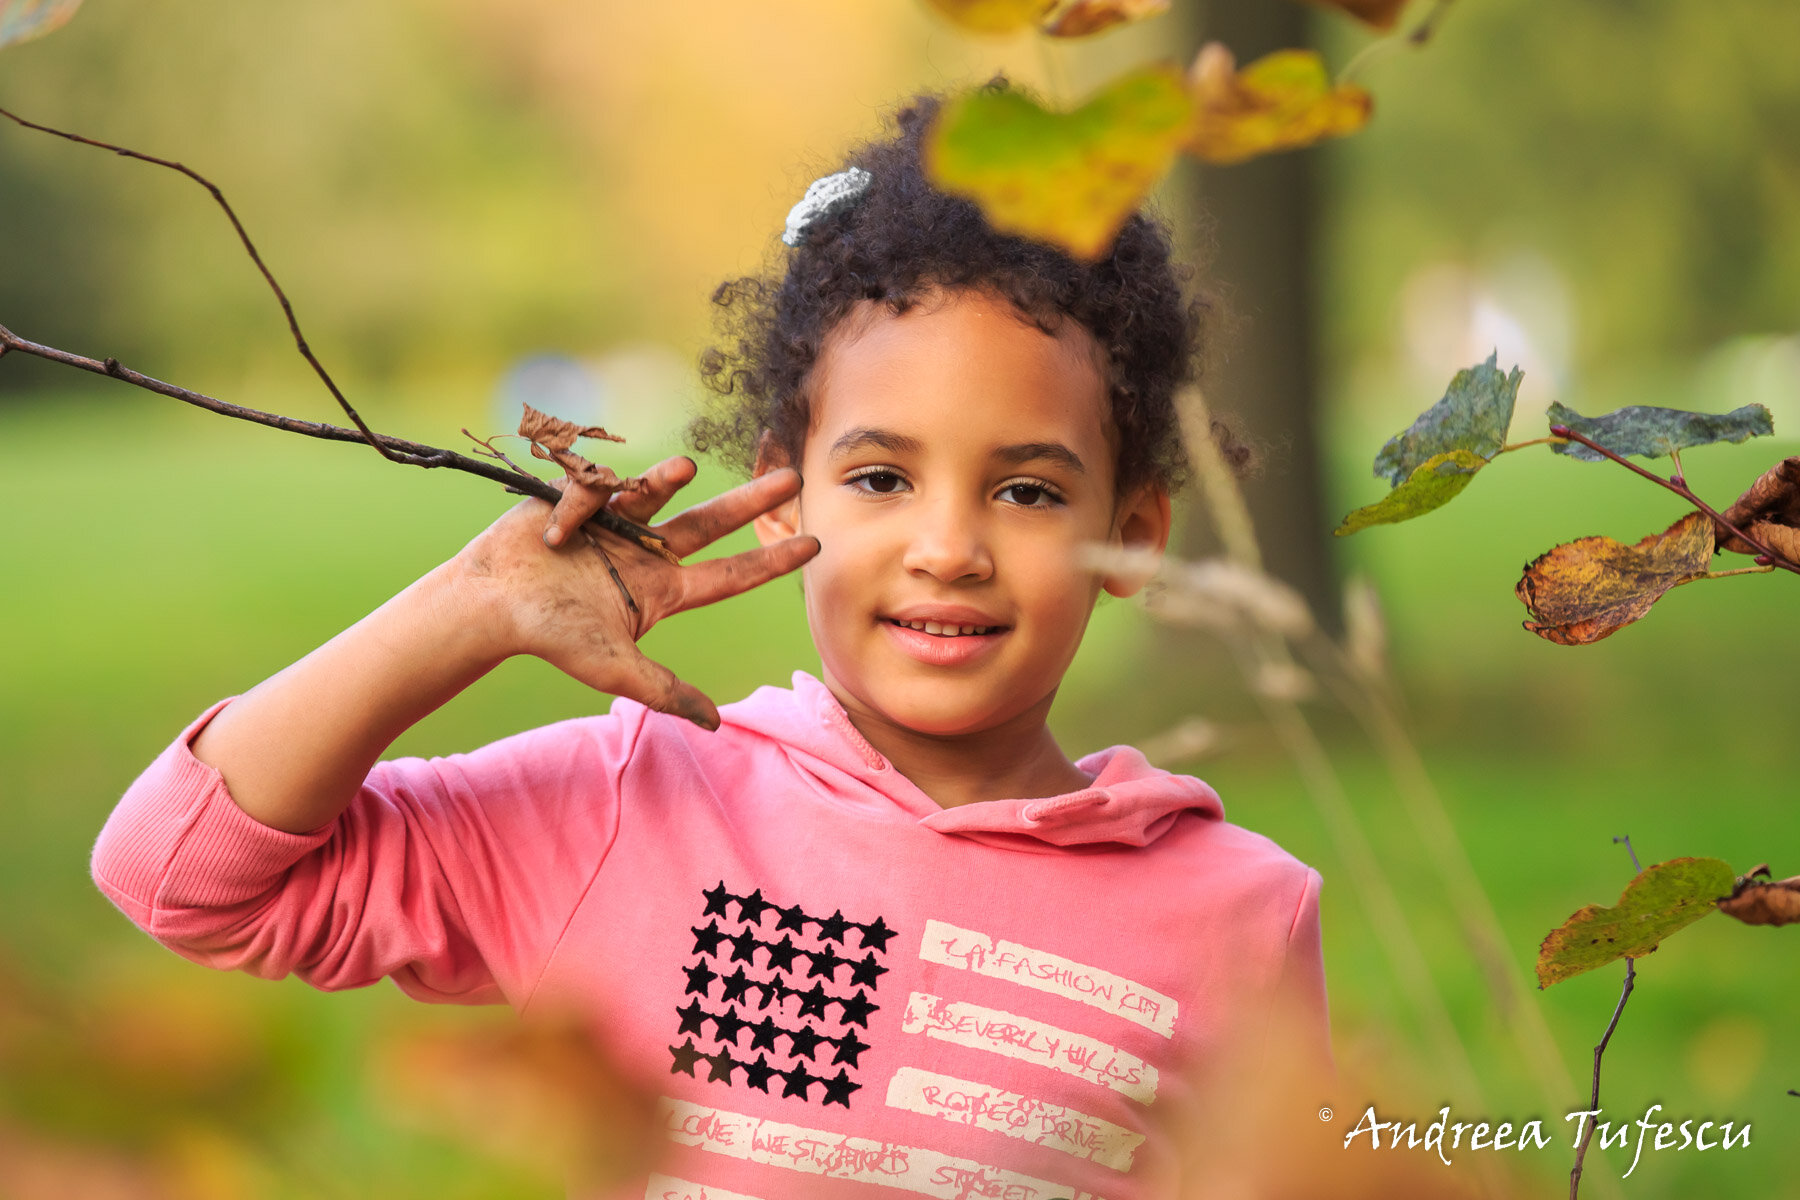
x=873, y=929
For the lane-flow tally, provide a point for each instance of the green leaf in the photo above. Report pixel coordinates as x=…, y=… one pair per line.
x=1592, y=587
x=22, y=20
x=1654, y=432
x=1071, y=178
x=1661, y=900
x=1473, y=415
x=1435, y=483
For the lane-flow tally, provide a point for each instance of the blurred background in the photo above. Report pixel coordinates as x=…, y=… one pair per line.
x=474, y=204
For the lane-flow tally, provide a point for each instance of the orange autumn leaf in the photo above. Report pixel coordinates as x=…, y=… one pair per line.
x=1590, y=588
x=552, y=439
x=1283, y=101
x=1086, y=17
x=993, y=16
x=1377, y=14
x=1769, y=511
x=1765, y=903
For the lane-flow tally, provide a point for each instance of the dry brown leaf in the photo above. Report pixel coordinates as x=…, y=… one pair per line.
x=1085, y=17
x=1770, y=510
x=1589, y=588
x=554, y=433
x=1765, y=903
x=1282, y=101
x=1377, y=14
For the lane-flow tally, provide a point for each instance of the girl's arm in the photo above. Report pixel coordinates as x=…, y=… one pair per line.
x=295, y=748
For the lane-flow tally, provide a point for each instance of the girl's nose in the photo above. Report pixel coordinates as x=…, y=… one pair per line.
x=948, y=542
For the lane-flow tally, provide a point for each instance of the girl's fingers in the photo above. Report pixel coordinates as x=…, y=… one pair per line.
x=660, y=482
x=710, y=520
x=716, y=578
x=623, y=670
x=577, y=504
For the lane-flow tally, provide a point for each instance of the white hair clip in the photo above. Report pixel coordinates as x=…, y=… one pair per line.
x=831, y=194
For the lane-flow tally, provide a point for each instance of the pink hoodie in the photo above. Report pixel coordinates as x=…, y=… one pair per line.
x=832, y=981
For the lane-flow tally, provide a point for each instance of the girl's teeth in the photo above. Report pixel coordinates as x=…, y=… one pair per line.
x=946, y=630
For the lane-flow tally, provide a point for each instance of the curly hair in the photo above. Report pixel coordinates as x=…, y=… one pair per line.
x=905, y=239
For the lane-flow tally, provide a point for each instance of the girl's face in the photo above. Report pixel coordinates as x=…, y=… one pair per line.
x=957, y=458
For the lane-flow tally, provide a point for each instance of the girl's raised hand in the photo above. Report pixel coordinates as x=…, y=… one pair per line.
x=547, y=590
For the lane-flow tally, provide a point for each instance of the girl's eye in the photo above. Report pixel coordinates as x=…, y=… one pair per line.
x=881, y=483
x=1028, y=494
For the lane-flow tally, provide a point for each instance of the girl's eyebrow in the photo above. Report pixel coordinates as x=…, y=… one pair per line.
x=899, y=443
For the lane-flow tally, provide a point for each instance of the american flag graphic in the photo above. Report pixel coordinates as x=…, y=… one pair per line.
x=777, y=997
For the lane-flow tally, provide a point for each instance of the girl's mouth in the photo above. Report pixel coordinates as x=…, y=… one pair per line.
x=941, y=629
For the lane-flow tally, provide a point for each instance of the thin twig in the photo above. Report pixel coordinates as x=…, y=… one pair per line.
x=1427, y=29
x=243, y=236
x=395, y=449
x=1680, y=489
x=1510, y=446
x=1635, y=864
x=1587, y=1132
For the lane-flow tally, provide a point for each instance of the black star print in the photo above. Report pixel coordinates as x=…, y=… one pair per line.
x=743, y=947
x=736, y=985
x=685, y=1057
x=865, y=972
x=722, y=1063
x=770, y=991
x=825, y=962
x=803, y=1042
x=716, y=900
x=757, y=1074
x=813, y=1001
x=781, y=954
x=798, y=1080
x=837, y=1091
x=693, y=1018
x=849, y=1049
x=763, y=1033
x=877, y=935
x=700, y=977
x=727, y=1025
x=857, y=1009
x=794, y=918
x=752, y=907
x=832, y=928
x=707, y=940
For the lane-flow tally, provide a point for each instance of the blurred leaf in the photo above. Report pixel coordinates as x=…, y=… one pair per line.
x=1654, y=432
x=1282, y=101
x=1765, y=903
x=993, y=16
x=1378, y=14
x=1473, y=415
x=1769, y=510
x=1435, y=483
x=1069, y=178
x=1588, y=589
x=22, y=20
x=1662, y=899
x=1085, y=17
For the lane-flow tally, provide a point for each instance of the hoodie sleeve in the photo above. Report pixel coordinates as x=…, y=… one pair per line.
x=453, y=875
x=1300, y=993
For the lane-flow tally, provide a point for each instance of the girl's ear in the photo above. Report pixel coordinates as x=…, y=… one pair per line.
x=782, y=521
x=1142, y=523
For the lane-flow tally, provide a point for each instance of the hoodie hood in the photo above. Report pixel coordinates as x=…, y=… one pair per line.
x=1130, y=802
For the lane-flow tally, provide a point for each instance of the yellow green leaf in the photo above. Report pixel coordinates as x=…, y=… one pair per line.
x=1433, y=484
x=1086, y=17
x=1659, y=900
x=1282, y=101
x=993, y=16
x=22, y=20
x=1069, y=178
x=1592, y=587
